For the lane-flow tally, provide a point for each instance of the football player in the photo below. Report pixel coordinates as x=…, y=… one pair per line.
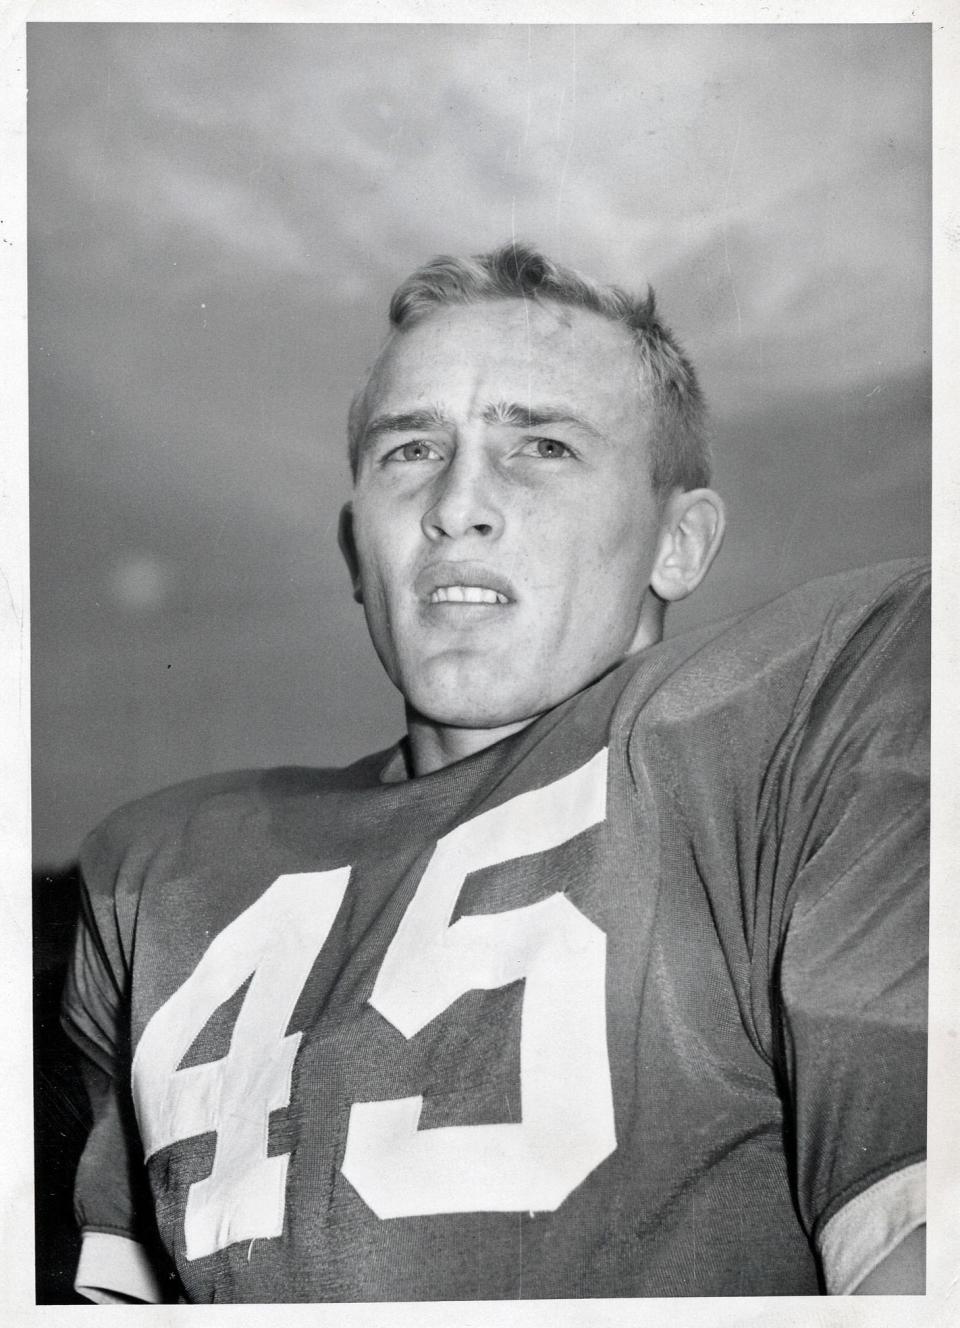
x=607, y=979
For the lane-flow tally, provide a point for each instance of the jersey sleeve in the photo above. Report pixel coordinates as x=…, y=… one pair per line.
x=119, y=1260
x=849, y=977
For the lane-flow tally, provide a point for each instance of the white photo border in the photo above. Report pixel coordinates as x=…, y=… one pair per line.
x=941, y=1305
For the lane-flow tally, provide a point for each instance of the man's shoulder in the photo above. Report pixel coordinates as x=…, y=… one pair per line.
x=833, y=621
x=816, y=616
x=140, y=829
x=852, y=592
x=841, y=599
x=764, y=663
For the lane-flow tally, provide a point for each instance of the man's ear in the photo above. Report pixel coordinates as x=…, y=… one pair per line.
x=348, y=547
x=691, y=533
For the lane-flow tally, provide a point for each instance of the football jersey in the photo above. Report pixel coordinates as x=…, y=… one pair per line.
x=631, y=1003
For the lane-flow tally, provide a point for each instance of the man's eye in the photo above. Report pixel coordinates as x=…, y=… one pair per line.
x=548, y=448
x=416, y=451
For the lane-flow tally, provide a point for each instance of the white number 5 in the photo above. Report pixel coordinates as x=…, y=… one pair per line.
x=567, y=1125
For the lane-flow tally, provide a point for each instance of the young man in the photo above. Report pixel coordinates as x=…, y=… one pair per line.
x=608, y=979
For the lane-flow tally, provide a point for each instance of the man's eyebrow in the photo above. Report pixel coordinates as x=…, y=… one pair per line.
x=498, y=412
x=407, y=422
x=535, y=417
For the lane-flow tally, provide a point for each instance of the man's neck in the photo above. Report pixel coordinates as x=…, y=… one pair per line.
x=434, y=746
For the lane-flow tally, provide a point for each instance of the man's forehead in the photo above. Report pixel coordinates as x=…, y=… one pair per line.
x=542, y=320
x=524, y=347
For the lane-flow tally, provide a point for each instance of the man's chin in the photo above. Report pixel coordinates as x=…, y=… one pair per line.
x=471, y=707
x=482, y=698
x=474, y=716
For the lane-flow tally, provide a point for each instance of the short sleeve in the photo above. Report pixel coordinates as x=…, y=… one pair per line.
x=850, y=983
x=119, y=1261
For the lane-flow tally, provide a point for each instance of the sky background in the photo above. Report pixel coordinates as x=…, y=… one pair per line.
x=218, y=214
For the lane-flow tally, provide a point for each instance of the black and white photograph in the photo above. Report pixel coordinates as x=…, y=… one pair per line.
x=481, y=486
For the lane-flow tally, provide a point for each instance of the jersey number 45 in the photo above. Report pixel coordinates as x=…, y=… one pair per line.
x=567, y=1124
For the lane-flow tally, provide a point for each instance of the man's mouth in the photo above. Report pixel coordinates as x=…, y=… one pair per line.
x=462, y=583
x=466, y=595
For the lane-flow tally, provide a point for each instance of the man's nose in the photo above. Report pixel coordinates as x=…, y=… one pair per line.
x=464, y=502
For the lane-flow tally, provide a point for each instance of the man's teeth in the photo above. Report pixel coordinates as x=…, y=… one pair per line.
x=466, y=595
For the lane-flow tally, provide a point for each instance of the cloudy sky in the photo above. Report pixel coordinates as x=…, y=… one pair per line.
x=218, y=215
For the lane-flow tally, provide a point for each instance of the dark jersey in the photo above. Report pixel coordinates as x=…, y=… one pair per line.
x=631, y=1003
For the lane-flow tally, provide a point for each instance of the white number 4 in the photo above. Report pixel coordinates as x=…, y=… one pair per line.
x=566, y=1128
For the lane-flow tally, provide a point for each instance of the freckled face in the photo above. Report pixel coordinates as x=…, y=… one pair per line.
x=503, y=516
